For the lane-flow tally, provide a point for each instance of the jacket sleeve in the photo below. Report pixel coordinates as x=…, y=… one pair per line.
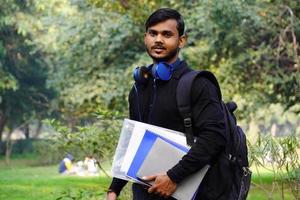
x=117, y=185
x=208, y=127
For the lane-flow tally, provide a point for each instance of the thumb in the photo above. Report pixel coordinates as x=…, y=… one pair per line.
x=149, y=178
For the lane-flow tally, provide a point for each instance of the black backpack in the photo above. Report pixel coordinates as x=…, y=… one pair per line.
x=236, y=147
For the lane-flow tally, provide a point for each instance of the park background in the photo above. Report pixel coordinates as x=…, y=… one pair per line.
x=66, y=69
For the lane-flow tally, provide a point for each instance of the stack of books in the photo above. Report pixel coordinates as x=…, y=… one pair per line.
x=145, y=150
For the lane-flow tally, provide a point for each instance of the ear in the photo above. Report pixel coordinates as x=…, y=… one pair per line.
x=145, y=34
x=182, y=41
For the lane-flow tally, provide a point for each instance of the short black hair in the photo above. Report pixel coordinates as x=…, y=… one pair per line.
x=164, y=14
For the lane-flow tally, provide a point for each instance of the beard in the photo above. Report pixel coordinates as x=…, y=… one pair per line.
x=166, y=58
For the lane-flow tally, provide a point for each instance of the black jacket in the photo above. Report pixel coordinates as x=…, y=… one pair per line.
x=157, y=106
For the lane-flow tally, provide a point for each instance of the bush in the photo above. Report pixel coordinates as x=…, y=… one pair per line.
x=46, y=152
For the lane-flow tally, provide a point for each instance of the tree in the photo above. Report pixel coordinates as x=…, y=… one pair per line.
x=85, y=46
x=252, y=46
x=23, y=91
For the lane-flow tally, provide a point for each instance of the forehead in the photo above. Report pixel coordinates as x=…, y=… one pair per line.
x=168, y=25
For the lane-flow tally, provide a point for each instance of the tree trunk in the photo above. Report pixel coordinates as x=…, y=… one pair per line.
x=38, y=129
x=2, y=124
x=26, y=130
x=8, y=149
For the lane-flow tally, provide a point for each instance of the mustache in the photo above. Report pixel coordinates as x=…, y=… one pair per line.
x=158, y=46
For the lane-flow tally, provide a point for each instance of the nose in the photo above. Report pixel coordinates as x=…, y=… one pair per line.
x=159, y=38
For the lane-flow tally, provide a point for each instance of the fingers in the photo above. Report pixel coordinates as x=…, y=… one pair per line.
x=111, y=196
x=153, y=189
x=163, y=185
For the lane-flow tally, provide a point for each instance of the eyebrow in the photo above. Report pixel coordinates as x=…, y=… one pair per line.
x=163, y=31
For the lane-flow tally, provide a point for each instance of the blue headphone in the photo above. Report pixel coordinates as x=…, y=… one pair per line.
x=161, y=71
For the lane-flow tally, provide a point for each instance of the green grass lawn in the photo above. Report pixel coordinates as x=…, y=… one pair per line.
x=44, y=183
x=22, y=182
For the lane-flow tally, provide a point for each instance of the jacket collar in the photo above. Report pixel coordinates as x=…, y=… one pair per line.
x=183, y=67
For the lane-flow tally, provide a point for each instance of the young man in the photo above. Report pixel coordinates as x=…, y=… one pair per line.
x=153, y=101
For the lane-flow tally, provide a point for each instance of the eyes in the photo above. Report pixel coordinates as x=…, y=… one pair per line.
x=166, y=34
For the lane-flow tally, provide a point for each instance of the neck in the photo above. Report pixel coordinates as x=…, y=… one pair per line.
x=170, y=61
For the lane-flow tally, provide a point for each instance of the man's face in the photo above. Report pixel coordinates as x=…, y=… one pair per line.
x=163, y=41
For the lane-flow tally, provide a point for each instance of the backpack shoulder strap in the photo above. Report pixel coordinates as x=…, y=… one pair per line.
x=183, y=97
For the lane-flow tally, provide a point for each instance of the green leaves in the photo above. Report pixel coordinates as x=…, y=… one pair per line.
x=97, y=140
x=23, y=72
x=278, y=155
x=246, y=43
x=73, y=194
x=7, y=81
x=251, y=46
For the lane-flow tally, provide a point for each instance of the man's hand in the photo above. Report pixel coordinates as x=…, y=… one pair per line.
x=111, y=196
x=163, y=185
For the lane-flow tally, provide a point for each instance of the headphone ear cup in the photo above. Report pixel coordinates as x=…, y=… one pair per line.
x=140, y=75
x=162, y=71
x=153, y=71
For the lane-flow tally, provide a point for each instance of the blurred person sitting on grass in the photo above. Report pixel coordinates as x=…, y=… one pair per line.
x=65, y=166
